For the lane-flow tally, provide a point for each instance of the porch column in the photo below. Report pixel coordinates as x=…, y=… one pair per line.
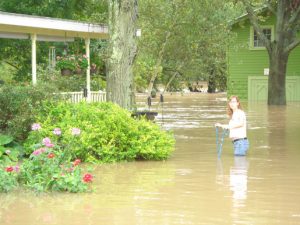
x=88, y=76
x=33, y=58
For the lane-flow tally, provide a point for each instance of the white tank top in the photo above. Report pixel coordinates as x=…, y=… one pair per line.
x=238, y=117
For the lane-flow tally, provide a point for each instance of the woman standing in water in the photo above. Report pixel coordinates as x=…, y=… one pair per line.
x=237, y=126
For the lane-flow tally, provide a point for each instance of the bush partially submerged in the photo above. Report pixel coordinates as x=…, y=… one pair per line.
x=108, y=133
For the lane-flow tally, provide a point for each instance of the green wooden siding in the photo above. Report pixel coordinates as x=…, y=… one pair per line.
x=258, y=88
x=244, y=62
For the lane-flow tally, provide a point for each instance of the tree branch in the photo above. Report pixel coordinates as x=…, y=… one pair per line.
x=255, y=23
x=12, y=65
x=295, y=17
x=270, y=7
x=292, y=46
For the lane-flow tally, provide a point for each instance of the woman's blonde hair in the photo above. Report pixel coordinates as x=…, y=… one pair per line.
x=229, y=110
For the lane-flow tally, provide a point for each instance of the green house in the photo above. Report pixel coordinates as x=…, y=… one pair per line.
x=248, y=63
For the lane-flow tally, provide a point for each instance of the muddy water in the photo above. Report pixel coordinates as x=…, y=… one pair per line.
x=193, y=186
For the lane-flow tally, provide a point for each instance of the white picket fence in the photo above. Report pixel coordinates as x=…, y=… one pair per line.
x=75, y=97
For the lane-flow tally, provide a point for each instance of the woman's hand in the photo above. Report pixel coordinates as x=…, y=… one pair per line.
x=224, y=126
x=218, y=125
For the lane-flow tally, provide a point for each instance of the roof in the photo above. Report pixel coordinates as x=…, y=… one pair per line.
x=245, y=15
x=21, y=24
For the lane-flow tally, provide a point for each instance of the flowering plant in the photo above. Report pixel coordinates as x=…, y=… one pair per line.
x=72, y=62
x=66, y=62
x=82, y=62
x=9, y=177
x=52, y=165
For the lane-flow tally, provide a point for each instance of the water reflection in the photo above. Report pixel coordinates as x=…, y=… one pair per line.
x=238, y=180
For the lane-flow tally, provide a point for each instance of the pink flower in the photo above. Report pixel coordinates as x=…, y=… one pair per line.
x=57, y=131
x=75, y=131
x=36, y=126
x=38, y=151
x=49, y=145
x=46, y=141
x=16, y=168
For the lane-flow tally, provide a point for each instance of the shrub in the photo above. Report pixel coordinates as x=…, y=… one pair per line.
x=18, y=105
x=108, y=133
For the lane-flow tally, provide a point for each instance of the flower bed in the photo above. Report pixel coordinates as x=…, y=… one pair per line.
x=50, y=167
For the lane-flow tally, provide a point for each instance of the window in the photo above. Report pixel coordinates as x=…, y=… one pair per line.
x=255, y=42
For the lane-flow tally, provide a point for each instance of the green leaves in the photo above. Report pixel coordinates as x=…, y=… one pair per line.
x=5, y=139
x=108, y=133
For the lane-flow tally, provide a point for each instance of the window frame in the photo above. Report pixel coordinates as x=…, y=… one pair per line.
x=251, y=45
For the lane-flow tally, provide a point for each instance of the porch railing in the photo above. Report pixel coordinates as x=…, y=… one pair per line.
x=75, y=97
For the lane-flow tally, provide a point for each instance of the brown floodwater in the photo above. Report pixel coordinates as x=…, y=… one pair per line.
x=193, y=186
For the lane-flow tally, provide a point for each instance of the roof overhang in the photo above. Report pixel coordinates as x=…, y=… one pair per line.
x=245, y=16
x=48, y=28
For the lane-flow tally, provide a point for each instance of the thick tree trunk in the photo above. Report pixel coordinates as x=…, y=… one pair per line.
x=277, y=75
x=122, y=49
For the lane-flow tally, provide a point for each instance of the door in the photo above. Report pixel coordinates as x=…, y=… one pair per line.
x=258, y=88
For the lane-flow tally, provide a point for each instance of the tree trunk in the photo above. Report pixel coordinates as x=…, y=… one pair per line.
x=277, y=74
x=170, y=81
x=158, y=63
x=211, y=82
x=122, y=50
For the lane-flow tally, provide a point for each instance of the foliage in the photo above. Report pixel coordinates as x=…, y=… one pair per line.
x=18, y=106
x=82, y=62
x=8, y=177
x=66, y=62
x=17, y=53
x=75, y=82
x=108, y=133
x=190, y=37
x=72, y=62
x=49, y=169
x=9, y=150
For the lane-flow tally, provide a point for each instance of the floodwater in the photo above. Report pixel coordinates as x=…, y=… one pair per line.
x=193, y=186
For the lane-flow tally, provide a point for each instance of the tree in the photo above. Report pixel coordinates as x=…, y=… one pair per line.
x=186, y=37
x=17, y=53
x=122, y=52
x=287, y=13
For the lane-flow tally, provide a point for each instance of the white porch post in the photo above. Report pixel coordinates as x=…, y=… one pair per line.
x=33, y=58
x=88, y=76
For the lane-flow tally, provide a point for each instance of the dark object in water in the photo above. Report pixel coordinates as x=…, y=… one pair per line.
x=149, y=115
